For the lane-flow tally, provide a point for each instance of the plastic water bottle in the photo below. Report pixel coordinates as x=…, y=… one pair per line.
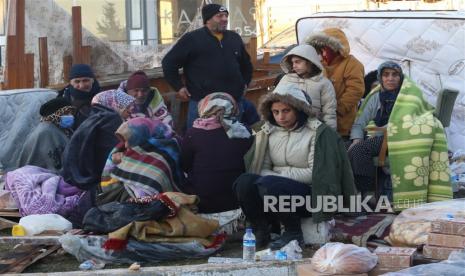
x=248, y=246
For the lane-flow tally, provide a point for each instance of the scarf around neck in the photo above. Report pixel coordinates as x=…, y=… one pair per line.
x=387, y=100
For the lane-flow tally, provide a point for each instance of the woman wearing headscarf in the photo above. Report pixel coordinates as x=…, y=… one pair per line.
x=294, y=154
x=86, y=153
x=213, y=151
x=144, y=163
x=376, y=107
x=45, y=145
x=149, y=101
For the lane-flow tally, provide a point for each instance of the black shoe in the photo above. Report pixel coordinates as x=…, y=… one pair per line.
x=262, y=233
x=286, y=237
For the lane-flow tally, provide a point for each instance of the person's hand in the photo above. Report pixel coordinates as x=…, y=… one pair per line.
x=116, y=157
x=183, y=94
x=354, y=142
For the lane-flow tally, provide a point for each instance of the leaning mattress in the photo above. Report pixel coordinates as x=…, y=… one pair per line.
x=19, y=115
x=429, y=46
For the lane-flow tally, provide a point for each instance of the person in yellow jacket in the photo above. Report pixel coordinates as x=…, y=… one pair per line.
x=344, y=71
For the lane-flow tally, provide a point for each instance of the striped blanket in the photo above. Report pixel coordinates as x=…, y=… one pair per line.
x=417, y=151
x=146, y=168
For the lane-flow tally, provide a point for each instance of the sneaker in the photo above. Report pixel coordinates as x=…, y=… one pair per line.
x=286, y=237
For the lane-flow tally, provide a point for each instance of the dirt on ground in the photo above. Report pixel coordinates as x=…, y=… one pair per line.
x=60, y=261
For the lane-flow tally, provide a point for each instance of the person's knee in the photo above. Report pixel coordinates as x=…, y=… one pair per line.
x=244, y=183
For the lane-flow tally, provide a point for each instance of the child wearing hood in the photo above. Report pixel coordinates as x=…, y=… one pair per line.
x=303, y=69
x=345, y=72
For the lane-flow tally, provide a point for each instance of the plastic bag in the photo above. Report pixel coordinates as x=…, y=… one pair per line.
x=452, y=266
x=90, y=248
x=35, y=224
x=317, y=233
x=412, y=226
x=458, y=156
x=292, y=250
x=340, y=258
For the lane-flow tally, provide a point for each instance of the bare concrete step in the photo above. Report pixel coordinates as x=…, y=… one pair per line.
x=269, y=268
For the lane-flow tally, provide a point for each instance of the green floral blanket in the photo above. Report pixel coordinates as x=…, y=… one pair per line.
x=417, y=151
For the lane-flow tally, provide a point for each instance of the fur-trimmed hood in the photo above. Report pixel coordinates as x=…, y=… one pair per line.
x=304, y=51
x=334, y=38
x=288, y=94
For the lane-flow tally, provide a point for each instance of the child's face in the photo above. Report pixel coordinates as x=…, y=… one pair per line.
x=300, y=66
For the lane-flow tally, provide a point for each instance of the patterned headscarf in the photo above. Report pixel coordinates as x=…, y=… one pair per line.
x=114, y=99
x=221, y=108
x=139, y=130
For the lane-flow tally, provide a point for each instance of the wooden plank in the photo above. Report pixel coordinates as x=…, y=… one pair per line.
x=266, y=58
x=37, y=255
x=26, y=257
x=12, y=63
x=67, y=63
x=20, y=26
x=11, y=24
x=6, y=223
x=14, y=77
x=28, y=75
x=30, y=240
x=43, y=62
x=10, y=213
x=77, y=34
x=252, y=49
x=85, y=51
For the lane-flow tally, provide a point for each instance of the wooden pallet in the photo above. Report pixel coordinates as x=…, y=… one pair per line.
x=21, y=258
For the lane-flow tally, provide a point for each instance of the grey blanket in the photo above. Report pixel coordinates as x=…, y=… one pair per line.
x=19, y=115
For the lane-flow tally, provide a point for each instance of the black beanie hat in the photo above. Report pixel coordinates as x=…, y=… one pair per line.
x=208, y=11
x=81, y=71
x=53, y=105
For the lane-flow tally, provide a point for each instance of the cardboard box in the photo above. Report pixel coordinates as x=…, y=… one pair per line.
x=444, y=240
x=307, y=270
x=383, y=270
x=398, y=257
x=437, y=253
x=451, y=227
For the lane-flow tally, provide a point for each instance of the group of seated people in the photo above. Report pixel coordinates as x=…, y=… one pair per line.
x=120, y=144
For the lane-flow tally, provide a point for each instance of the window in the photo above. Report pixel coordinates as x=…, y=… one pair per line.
x=136, y=14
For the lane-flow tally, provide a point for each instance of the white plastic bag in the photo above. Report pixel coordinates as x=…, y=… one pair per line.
x=293, y=250
x=317, y=233
x=340, y=258
x=36, y=224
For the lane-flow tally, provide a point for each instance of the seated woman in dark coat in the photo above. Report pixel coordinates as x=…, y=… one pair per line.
x=45, y=145
x=88, y=149
x=378, y=107
x=213, y=151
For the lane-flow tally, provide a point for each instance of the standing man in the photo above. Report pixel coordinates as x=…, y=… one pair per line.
x=213, y=60
x=344, y=71
x=82, y=87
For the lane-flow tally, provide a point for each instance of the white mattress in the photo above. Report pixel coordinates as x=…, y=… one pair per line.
x=430, y=46
x=19, y=115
